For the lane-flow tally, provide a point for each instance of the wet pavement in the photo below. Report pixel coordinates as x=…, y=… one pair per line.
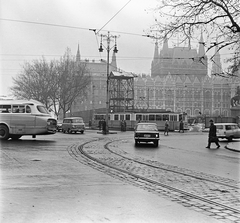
x=41, y=182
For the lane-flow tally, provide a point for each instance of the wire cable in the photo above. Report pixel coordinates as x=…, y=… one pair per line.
x=114, y=16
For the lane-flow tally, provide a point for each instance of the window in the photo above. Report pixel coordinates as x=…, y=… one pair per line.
x=158, y=117
x=219, y=126
x=138, y=117
x=151, y=117
x=5, y=108
x=18, y=109
x=115, y=117
x=42, y=109
x=128, y=117
x=165, y=117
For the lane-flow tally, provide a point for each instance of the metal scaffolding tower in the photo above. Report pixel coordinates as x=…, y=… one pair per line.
x=121, y=91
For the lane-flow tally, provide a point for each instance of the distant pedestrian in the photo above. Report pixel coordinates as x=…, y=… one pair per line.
x=212, y=135
x=124, y=126
x=181, y=126
x=100, y=124
x=104, y=126
x=166, y=129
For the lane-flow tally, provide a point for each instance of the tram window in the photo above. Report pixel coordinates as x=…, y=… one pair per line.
x=158, y=117
x=128, y=117
x=151, y=117
x=138, y=117
x=180, y=117
x=115, y=117
x=145, y=117
x=165, y=117
x=121, y=117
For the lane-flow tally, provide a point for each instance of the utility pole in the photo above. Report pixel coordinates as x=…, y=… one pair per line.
x=108, y=38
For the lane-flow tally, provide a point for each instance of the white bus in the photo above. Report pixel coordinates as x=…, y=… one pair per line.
x=25, y=117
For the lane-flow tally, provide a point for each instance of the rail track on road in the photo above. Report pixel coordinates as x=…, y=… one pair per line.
x=215, y=196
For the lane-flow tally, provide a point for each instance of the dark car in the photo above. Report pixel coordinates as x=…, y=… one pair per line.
x=146, y=132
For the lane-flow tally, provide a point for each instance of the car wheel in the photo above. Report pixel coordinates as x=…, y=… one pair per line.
x=156, y=143
x=4, y=132
x=82, y=132
x=230, y=138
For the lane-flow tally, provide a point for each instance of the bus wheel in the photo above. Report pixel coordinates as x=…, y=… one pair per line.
x=15, y=137
x=4, y=132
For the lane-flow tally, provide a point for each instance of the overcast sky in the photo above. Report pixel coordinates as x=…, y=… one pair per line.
x=66, y=23
x=22, y=41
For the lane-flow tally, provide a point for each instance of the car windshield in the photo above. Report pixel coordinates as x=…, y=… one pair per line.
x=147, y=127
x=77, y=121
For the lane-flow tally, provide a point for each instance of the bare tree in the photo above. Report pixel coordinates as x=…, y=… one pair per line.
x=188, y=18
x=73, y=79
x=57, y=84
x=35, y=81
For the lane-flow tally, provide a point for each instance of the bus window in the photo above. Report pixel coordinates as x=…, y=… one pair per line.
x=28, y=109
x=18, y=109
x=151, y=117
x=5, y=108
x=115, y=117
x=127, y=117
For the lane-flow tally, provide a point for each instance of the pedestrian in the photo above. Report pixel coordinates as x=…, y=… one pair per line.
x=212, y=135
x=181, y=127
x=166, y=129
x=121, y=123
x=100, y=124
x=104, y=126
x=124, y=126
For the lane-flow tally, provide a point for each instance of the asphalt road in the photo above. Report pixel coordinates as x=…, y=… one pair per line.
x=40, y=182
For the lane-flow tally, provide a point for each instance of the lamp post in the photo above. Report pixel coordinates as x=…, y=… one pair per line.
x=108, y=38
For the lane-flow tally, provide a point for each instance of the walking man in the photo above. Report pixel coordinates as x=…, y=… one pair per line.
x=166, y=128
x=212, y=135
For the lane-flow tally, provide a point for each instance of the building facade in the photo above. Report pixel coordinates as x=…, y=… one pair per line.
x=179, y=82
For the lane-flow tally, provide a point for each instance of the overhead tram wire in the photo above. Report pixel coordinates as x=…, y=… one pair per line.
x=114, y=16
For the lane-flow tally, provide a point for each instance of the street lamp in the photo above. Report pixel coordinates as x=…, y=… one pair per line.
x=115, y=50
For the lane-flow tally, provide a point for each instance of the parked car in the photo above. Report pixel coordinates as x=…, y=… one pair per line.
x=73, y=124
x=228, y=131
x=146, y=132
x=59, y=126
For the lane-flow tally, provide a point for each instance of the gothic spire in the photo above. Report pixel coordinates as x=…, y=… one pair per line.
x=78, y=57
x=201, y=50
x=156, y=53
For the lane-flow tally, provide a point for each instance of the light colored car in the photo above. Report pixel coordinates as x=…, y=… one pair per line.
x=73, y=124
x=228, y=131
x=146, y=132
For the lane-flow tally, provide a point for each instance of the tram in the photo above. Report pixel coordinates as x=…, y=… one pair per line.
x=132, y=118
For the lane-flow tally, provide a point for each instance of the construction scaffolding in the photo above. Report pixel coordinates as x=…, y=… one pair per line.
x=121, y=91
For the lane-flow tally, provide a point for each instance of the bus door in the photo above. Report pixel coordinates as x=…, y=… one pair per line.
x=22, y=121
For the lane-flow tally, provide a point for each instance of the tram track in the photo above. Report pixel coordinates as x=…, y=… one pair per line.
x=191, y=190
